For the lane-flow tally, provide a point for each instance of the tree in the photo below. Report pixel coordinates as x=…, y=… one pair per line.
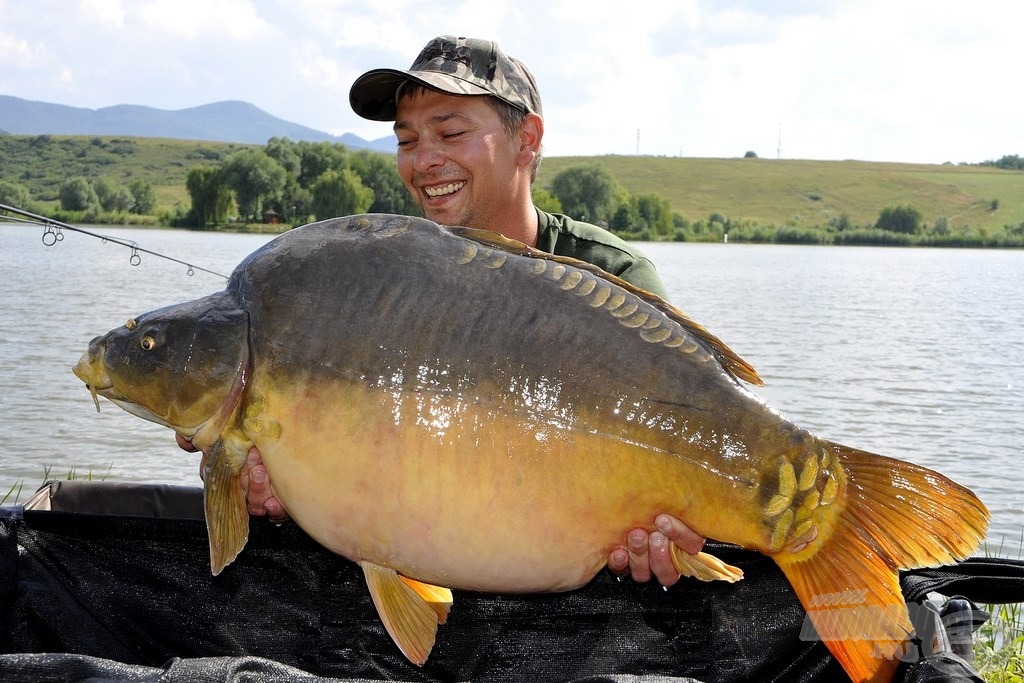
x=586, y=191
x=76, y=194
x=626, y=219
x=841, y=222
x=286, y=153
x=318, y=157
x=904, y=219
x=255, y=178
x=13, y=194
x=545, y=201
x=340, y=193
x=143, y=196
x=111, y=195
x=211, y=197
x=379, y=172
x=105, y=188
x=656, y=212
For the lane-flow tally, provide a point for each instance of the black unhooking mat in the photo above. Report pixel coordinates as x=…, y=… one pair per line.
x=113, y=584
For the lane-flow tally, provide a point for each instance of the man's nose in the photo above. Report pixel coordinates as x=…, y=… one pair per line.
x=428, y=156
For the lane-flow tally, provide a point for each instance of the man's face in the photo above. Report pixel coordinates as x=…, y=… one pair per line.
x=456, y=159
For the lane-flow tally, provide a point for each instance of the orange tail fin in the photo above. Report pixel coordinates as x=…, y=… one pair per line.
x=890, y=515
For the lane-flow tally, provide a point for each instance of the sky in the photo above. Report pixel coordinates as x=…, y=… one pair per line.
x=930, y=81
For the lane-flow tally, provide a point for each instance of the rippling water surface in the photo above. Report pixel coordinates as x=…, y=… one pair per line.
x=913, y=353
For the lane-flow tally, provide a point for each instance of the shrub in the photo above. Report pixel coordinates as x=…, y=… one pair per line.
x=903, y=219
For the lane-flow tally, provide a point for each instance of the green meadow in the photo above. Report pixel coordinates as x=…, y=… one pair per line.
x=801, y=193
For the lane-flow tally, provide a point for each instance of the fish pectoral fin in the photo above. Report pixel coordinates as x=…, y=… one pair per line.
x=438, y=597
x=227, y=517
x=703, y=566
x=410, y=610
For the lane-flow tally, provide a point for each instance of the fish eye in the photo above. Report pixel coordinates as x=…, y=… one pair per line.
x=147, y=343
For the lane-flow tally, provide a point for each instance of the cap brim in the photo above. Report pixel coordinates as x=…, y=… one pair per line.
x=372, y=96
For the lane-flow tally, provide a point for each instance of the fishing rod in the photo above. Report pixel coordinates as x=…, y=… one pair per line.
x=54, y=232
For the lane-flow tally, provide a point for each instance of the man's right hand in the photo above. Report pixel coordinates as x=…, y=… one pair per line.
x=254, y=480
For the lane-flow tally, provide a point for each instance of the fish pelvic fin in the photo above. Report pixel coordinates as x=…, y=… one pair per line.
x=227, y=517
x=703, y=566
x=892, y=515
x=410, y=610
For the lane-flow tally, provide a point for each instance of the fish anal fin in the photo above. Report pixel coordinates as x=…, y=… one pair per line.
x=703, y=566
x=890, y=515
x=410, y=619
x=438, y=597
x=227, y=517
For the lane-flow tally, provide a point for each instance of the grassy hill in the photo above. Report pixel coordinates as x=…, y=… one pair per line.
x=42, y=162
x=810, y=193
x=774, y=192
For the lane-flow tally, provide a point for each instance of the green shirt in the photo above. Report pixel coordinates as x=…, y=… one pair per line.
x=563, y=236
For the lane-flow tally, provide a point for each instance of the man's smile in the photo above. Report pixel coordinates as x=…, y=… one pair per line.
x=441, y=190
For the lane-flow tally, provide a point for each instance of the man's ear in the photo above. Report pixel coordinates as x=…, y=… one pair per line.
x=531, y=135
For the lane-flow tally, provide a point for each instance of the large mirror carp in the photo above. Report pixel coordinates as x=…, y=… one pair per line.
x=445, y=406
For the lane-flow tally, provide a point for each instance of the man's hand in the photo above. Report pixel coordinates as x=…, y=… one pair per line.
x=648, y=554
x=259, y=492
x=254, y=480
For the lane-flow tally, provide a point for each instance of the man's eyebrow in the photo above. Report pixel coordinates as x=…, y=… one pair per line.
x=434, y=120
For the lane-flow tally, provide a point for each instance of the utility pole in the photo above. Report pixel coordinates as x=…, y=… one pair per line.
x=638, y=142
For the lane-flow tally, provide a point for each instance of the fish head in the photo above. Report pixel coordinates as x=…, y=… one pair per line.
x=182, y=366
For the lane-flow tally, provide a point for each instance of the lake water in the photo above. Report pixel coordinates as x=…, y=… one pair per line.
x=912, y=353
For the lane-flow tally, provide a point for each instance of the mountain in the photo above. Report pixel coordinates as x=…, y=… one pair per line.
x=229, y=121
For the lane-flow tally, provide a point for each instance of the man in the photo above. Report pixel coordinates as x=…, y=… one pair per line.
x=469, y=125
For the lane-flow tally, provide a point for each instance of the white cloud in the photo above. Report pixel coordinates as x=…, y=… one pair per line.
x=235, y=19
x=915, y=80
x=107, y=12
x=18, y=52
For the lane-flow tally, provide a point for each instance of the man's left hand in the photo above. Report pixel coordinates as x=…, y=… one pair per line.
x=647, y=554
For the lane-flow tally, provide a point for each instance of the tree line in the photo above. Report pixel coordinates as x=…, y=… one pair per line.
x=1010, y=161
x=90, y=197
x=301, y=181
x=294, y=182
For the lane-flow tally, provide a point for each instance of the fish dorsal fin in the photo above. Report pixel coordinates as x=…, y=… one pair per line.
x=410, y=610
x=728, y=358
x=227, y=517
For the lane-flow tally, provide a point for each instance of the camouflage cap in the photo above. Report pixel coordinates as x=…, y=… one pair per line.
x=459, y=66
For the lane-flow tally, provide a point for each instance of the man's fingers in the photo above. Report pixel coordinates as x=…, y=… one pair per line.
x=661, y=560
x=683, y=536
x=259, y=490
x=184, y=444
x=275, y=511
x=639, y=559
x=618, y=562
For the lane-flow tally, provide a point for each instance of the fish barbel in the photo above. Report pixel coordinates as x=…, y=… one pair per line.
x=429, y=402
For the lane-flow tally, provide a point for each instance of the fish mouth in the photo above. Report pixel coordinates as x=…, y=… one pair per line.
x=97, y=381
x=90, y=369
